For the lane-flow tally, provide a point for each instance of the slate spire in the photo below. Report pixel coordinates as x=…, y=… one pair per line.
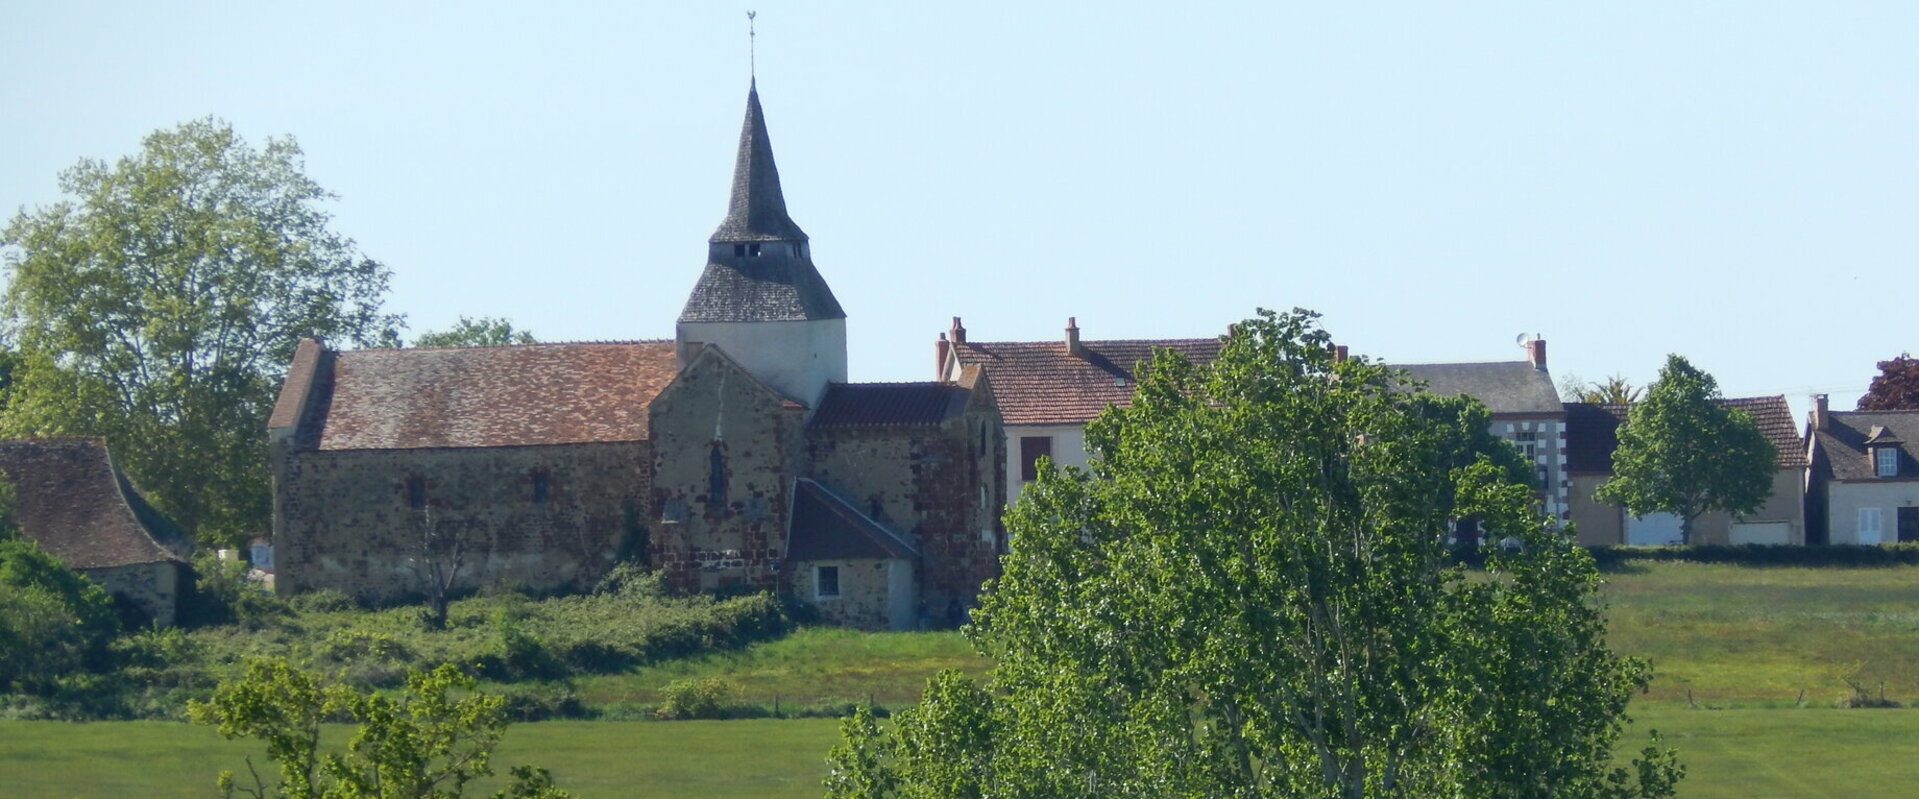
x=758, y=209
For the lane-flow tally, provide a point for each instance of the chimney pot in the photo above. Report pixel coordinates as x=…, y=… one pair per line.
x=1072, y=337
x=959, y=332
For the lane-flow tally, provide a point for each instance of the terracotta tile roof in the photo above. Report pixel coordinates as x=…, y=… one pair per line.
x=1502, y=386
x=826, y=526
x=298, y=383
x=1844, y=442
x=71, y=499
x=1592, y=431
x=493, y=396
x=1038, y=382
x=889, y=404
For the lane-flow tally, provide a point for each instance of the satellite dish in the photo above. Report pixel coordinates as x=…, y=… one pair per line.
x=1525, y=339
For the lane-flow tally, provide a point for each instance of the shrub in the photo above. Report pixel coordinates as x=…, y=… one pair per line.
x=52, y=620
x=223, y=594
x=325, y=600
x=701, y=698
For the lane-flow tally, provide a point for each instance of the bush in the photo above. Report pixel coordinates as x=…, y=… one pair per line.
x=53, y=622
x=1763, y=555
x=701, y=698
x=325, y=600
x=222, y=594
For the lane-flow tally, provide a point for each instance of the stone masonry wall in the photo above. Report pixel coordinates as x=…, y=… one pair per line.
x=347, y=519
x=717, y=416
x=154, y=587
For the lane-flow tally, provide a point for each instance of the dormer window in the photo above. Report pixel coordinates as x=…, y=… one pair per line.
x=1885, y=461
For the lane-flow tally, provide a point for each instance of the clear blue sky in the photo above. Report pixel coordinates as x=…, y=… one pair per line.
x=1733, y=181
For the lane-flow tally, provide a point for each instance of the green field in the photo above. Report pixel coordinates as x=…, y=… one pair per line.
x=1747, y=639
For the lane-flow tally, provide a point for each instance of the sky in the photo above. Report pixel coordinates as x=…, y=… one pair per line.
x=1733, y=182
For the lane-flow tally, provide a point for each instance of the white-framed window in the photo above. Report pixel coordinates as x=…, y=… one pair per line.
x=1885, y=461
x=1528, y=443
x=826, y=582
x=1869, y=530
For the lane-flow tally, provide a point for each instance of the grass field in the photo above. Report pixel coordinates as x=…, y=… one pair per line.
x=1749, y=639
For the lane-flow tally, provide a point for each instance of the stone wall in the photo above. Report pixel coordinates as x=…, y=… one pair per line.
x=542, y=518
x=717, y=417
x=153, y=587
x=874, y=594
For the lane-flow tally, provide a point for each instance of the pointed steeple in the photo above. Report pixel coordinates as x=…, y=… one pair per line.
x=758, y=208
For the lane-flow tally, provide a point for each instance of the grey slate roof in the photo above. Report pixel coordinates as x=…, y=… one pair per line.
x=758, y=209
x=828, y=527
x=1502, y=386
x=1843, y=442
x=774, y=284
x=1592, y=431
x=889, y=404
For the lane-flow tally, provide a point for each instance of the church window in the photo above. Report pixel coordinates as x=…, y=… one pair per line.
x=416, y=492
x=826, y=582
x=541, y=488
x=716, y=477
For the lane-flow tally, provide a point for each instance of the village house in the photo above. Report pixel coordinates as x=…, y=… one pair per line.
x=735, y=456
x=71, y=499
x=1592, y=435
x=1862, y=481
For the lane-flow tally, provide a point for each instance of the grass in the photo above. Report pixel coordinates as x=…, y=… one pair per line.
x=1745, y=636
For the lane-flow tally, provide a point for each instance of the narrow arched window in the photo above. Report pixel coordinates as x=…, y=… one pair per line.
x=716, y=477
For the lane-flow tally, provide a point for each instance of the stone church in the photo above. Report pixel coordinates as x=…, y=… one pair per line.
x=734, y=457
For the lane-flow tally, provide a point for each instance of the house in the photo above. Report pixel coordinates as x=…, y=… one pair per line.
x=1591, y=438
x=71, y=499
x=1862, y=480
x=1049, y=390
x=734, y=456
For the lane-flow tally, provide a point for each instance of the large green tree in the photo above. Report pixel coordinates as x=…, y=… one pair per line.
x=1895, y=388
x=1249, y=594
x=159, y=305
x=1682, y=451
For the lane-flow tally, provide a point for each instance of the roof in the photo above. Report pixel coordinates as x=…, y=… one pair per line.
x=1592, y=431
x=493, y=396
x=828, y=527
x=73, y=501
x=1039, y=382
x=1845, y=436
x=889, y=404
x=1514, y=387
x=757, y=211
x=775, y=287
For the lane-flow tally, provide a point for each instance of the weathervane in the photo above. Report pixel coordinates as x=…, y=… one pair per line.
x=752, y=67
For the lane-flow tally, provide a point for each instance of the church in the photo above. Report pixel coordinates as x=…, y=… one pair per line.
x=735, y=456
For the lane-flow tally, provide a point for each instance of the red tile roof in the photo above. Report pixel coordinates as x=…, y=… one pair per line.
x=71, y=499
x=1592, y=431
x=1039, y=382
x=1774, y=418
x=493, y=396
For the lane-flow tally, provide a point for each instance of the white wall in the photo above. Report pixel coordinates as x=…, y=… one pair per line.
x=797, y=358
x=1069, y=449
x=1845, y=500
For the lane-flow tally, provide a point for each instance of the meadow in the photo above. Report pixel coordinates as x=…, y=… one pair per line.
x=1750, y=664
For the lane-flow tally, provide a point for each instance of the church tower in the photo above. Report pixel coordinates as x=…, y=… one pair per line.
x=759, y=299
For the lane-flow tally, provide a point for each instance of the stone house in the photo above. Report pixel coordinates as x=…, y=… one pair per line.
x=1862, y=480
x=80, y=508
x=734, y=456
x=1591, y=438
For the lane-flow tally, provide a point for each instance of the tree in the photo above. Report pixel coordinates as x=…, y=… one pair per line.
x=422, y=743
x=53, y=621
x=484, y=331
x=160, y=306
x=1895, y=388
x=1615, y=390
x=1248, y=594
x=1683, y=452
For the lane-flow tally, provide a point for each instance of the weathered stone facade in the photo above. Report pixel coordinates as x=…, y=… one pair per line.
x=154, y=588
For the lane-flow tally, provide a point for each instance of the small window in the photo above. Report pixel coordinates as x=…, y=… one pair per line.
x=716, y=478
x=416, y=492
x=753, y=250
x=1031, y=449
x=1869, y=526
x=541, y=488
x=1885, y=461
x=826, y=582
x=739, y=251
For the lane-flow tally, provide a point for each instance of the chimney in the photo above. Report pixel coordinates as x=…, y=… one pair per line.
x=1339, y=353
x=1819, y=411
x=940, y=348
x=1536, y=352
x=1072, y=337
x=959, y=333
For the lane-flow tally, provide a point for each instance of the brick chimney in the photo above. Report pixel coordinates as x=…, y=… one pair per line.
x=1819, y=408
x=959, y=333
x=1339, y=353
x=940, y=349
x=1536, y=352
x=1072, y=337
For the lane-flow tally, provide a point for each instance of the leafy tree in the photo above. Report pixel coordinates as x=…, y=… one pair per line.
x=484, y=331
x=1615, y=390
x=1895, y=388
x=53, y=621
x=160, y=305
x=1248, y=594
x=423, y=744
x=1683, y=452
